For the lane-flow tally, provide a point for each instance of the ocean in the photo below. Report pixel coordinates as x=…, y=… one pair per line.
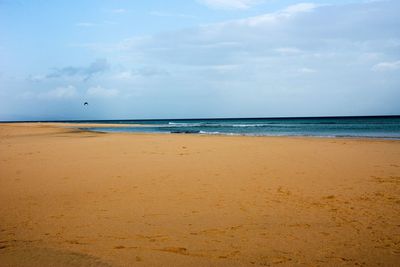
x=387, y=127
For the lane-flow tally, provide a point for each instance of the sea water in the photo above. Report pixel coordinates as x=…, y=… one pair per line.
x=371, y=127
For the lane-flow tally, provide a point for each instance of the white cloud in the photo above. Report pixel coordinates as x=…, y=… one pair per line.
x=298, y=8
x=137, y=73
x=230, y=4
x=387, y=66
x=99, y=91
x=275, y=17
x=60, y=93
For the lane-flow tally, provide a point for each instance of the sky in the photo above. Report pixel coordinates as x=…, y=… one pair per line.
x=198, y=59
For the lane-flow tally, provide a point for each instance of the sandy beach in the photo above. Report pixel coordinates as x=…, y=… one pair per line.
x=77, y=198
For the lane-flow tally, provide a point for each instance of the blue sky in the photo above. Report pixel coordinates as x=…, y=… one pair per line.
x=198, y=58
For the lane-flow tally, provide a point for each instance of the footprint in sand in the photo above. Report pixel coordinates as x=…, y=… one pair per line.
x=154, y=238
x=230, y=255
x=282, y=191
x=74, y=242
x=178, y=250
x=236, y=227
x=280, y=260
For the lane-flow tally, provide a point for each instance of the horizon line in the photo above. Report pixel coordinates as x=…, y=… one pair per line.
x=218, y=118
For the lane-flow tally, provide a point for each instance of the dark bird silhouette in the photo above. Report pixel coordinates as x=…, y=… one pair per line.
x=86, y=104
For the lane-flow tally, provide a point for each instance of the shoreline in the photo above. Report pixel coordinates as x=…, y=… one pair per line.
x=86, y=127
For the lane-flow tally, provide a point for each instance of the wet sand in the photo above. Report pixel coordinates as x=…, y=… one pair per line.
x=77, y=198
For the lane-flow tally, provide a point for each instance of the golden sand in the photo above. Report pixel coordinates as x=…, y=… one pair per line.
x=75, y=198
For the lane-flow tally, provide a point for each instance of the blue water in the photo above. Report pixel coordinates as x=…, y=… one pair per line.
x=371, y=127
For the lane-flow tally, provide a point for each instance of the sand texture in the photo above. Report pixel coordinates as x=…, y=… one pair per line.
x=76, y=198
